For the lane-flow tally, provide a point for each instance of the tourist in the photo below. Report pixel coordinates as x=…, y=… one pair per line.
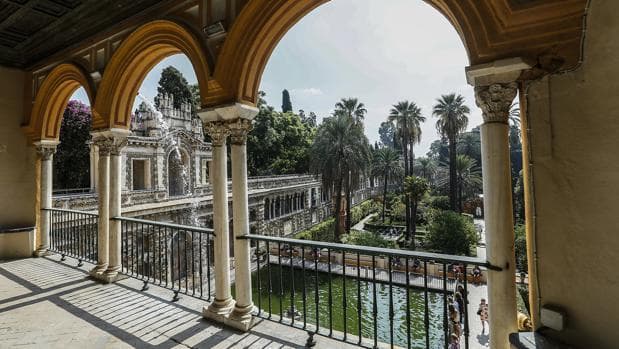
x=483, y=314
x=459, y=300
x=454, y=342
x=454, y=320
x=476, y=275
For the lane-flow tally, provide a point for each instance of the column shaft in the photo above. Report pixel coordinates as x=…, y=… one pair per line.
x=115, y=184
x=46, y=153
x=103, y=184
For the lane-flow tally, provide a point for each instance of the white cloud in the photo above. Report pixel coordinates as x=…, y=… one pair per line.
x=310, y=91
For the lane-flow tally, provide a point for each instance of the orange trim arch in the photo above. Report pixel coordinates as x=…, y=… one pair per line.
x=132, y=61
x=52, y=98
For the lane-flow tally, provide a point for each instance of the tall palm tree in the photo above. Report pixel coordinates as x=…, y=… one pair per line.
x=352, y=108
x=387, y=165
x=340, y=151
x=416, y=188
x=469, y=176
x=415, y=119
x=426, y=168
x=452, y=120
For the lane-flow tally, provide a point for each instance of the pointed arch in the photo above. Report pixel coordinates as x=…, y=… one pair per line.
x=135, y=58
x=52, y=98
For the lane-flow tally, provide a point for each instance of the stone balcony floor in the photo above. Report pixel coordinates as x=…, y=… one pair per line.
x=45, y=303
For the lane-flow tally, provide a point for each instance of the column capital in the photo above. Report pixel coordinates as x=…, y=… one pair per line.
x=110, y=141
x=239, y=130
x=495, y=100
x=218, y=130
x=46, y=148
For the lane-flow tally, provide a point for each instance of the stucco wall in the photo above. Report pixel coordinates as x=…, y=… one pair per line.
x=17, y=159
x=574, y=137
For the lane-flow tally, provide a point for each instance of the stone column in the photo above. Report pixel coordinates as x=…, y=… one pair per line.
x=45, y=151
x=104, y=144
x=94, y=159
x=118, y=139
x=495, y=90
x=241, y=317
x=223, y=303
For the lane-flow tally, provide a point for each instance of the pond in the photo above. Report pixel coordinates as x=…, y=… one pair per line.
x=291, y=284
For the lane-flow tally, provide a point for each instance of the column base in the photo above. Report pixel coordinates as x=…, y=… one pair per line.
x=41, y=252
x=219, y=310
x=241, y=318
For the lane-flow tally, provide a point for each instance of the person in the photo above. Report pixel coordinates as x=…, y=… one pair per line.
x=476, y=275
x=460, y=302
x=454, y=342
x=483, y=314
x=454, y=320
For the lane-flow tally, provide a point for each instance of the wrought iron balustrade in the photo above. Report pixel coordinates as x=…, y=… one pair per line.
x=73, y=234
x=361, y=294
x=172, y=256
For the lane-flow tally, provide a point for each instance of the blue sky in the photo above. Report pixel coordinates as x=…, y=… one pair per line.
x=378, y=51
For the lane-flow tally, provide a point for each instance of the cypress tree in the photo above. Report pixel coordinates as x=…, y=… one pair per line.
x=286, y=103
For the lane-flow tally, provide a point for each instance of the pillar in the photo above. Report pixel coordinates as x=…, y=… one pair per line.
x=223, y=303
x=495, y=90
x=104, y=145
x=118, y=139
x=45, y=151
x=241, y=317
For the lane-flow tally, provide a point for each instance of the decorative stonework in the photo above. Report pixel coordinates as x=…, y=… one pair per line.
x=104, y=144
x=495, y=100
x=219, y=131
x=239, y=130
x=45, y=151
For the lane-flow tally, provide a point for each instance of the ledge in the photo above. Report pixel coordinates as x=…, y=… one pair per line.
x=16, y=230
x=534, y=340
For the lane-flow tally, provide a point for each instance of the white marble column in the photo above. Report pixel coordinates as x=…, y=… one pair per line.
x=118, y=141
x=45, y=150
x=495, y=90
x=104, y=145
x=223, y=303
x=241, y=317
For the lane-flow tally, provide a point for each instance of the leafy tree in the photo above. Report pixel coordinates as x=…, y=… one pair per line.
x=286, y=103
x=468, y=178
x=386, y=164
x=469, y=143
x=426, y=168
x=416, y=188
x=439, y=202
x=520, y=245
x=340, y=146
x=174, y=83
x=280, y=143
x=72, y=158
x=195, y=94
x=519, y=199
x=452, y=120
x=387, y=134
x=451, y=233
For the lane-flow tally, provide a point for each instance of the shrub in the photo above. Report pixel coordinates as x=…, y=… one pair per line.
x=520, y=245
x=439, y=202
x=323, y=231
x=449, y=232
x=366, y=238
x=362, y=210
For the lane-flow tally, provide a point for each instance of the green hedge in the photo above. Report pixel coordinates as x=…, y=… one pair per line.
x=360, y=211
x=323, y=231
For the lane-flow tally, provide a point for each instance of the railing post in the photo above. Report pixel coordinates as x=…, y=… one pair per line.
x=241, y=317
x=45, y=150
x=221, y=307
x=495, y=90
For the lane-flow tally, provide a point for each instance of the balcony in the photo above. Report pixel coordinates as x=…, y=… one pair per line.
x=303, y=291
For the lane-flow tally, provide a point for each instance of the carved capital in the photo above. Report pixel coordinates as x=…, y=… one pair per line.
x=239, y=130
x=45, y=151
x=218, y=130
x=104, y=144
x=494, y=101
x=110, y=142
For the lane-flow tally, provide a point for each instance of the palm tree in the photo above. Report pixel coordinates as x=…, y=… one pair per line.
x=452, y=119
x=469, y=176
x=387, y=165
x=415, y=187
x=352, y=108
x=340, y=150
x=427, y=168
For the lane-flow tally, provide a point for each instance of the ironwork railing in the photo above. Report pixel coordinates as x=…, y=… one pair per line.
x=363, y=295
x=73, y=234
x=169, y=255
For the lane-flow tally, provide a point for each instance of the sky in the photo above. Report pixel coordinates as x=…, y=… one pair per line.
x=380, y=52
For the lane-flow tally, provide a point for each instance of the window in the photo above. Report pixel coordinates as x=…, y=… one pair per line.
x=204, y=171
x=140, y=174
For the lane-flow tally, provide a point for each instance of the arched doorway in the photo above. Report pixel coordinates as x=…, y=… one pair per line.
x=179, y=181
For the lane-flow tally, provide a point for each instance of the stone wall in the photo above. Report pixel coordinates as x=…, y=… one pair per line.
x=573, y=185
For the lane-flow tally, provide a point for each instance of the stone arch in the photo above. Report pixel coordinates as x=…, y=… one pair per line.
x=52, y=98
x=136, y=56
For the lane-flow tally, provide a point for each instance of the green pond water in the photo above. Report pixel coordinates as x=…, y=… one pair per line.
x=283, y=281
